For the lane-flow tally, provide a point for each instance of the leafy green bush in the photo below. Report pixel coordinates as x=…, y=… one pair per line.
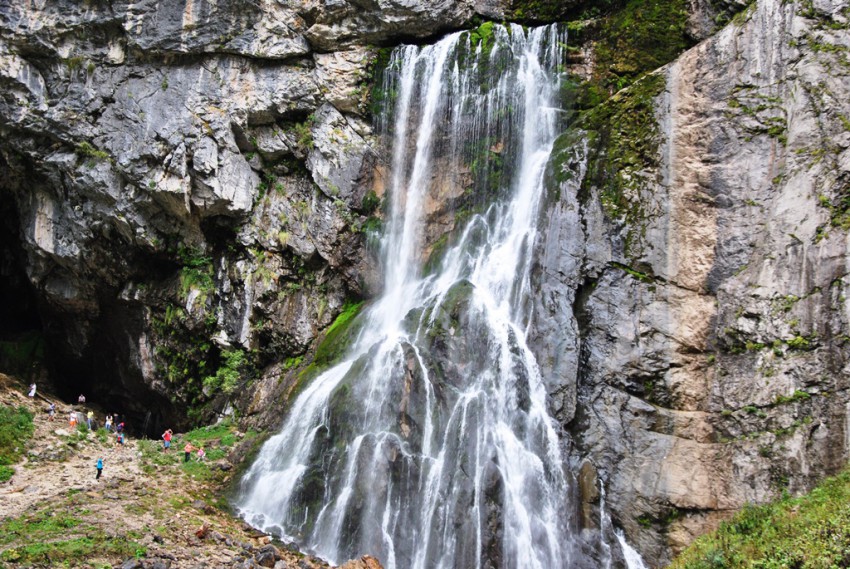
x=197, y=272
x=227, y=376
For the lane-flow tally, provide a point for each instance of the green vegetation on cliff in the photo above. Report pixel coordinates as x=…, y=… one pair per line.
x=338, y=336
x=623, y=146
x=628, y=40
x=809, y=531
x=616, y=106
x=640, y=37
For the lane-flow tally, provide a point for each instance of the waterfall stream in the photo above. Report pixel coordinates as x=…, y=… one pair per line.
x=431, y=446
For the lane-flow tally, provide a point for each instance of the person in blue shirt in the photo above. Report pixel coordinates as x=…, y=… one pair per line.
x=99, y=468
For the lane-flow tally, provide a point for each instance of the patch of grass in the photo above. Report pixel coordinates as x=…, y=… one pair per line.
x=87, y=150
x=799, y=343
x=798, y=395
x=16, y=429
x=95, y=543
x=809, y=531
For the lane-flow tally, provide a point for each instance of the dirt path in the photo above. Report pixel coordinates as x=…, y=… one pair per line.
x=58, y=460
x=144, y=512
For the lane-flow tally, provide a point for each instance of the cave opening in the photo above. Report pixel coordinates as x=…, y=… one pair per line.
x=22, y=343
x=71, y=352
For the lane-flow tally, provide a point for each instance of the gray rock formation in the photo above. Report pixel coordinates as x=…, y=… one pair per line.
x=711, y=299
x=162, y=159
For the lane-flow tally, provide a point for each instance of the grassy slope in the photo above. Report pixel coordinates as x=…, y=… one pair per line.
x=149, y=504
x=812, y=531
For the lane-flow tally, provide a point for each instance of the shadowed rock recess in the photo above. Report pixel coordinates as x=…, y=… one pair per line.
x=191, y=195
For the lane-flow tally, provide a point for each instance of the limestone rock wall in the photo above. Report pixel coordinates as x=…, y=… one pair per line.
x=701, y=290
x=189, y=180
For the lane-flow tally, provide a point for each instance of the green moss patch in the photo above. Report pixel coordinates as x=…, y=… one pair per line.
x=640, y=37
x=627, y=139
x=338, y=335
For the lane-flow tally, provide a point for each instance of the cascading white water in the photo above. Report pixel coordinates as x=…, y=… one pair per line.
x=431, y=446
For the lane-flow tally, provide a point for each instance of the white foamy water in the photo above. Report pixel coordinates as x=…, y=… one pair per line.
x=431, y=445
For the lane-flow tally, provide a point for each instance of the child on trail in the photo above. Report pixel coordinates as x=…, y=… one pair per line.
x=89, y=417
x=187, y=450
x=72, y=419
x=32, y=390
x=108, y=424
x=201, y=454
x=119, y=438
x=51, y=412
x=166, y=439
x=120, y=428
x=99, y=468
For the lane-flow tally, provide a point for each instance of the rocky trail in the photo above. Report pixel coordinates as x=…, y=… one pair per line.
x=148, y=510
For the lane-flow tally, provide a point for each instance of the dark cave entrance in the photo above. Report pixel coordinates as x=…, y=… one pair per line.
x=22, y=342
x=42, y=343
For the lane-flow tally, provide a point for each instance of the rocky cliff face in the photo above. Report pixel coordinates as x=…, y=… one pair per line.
x=190, y=190
x=696, y=261
x=189, y=196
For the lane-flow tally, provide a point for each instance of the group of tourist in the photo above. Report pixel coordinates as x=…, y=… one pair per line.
x=113, y=421
x=187, y=450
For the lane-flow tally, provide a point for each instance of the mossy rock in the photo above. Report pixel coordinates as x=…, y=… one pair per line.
x=629, y=42
x=339, y=335
x=627, y=137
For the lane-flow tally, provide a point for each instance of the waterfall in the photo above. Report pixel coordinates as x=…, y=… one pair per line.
x=431, y=446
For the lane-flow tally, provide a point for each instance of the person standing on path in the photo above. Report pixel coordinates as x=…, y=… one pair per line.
x=72, y=419
x=166, y=439
x=51, y=412
x=108, y=424
x=81, y=399
x=31, y=394
x=89, y=417
x=99, y=468
x=187, y=452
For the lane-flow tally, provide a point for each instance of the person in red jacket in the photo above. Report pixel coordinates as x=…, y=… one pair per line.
x=166, y=439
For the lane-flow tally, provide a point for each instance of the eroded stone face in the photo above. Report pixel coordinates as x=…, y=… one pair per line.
x=710, y=328
x=158, y=153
